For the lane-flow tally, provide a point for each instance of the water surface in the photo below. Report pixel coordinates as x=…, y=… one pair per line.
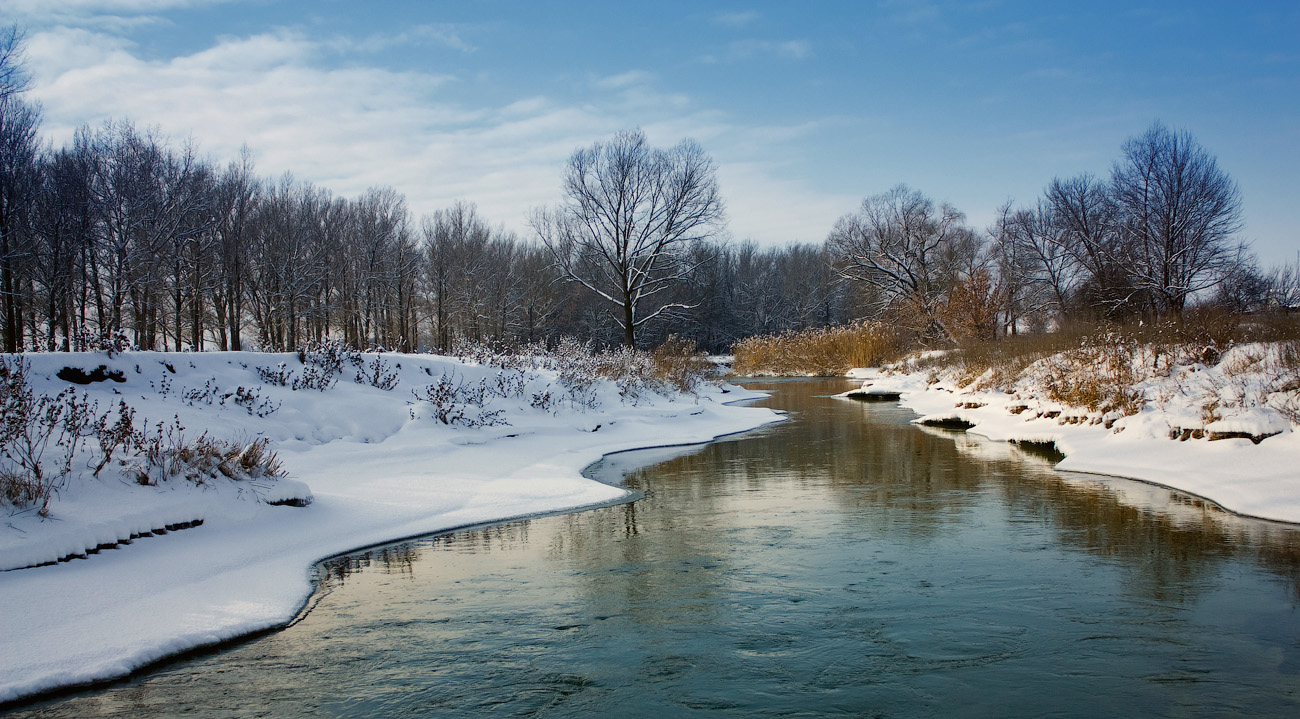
x=844, y=563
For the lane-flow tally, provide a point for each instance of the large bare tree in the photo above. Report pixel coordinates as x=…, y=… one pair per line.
x=1178, y=216
x=910, y=250
x=630, y=212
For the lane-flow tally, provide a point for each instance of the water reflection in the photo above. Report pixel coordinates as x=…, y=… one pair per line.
x=845, y=562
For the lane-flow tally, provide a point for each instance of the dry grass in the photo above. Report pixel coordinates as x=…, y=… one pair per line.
x=22, y=489
x=1098, y=375
x=1282, y=380
x=1095, y=365
x=1203, y=336
x=826, y=352
x=677, y=362
x=167, y=453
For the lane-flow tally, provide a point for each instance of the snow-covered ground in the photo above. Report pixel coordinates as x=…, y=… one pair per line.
x=378, y=465
x=1168, y=441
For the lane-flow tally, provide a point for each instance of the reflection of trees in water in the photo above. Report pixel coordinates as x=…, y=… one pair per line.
x=882, y=475
x=390, y=559
x=504, y=537
x=1169, y=542
x=402, y=558
x=878, y=467
x=649, y=559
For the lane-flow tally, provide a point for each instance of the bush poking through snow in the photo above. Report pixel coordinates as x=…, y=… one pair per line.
x=673, y=368
x=250, y=398
x=42, y=437
x=1203, y=381
x=578, y=374
x=328, y=356
x=32, y=426
x=279, y=375
x=114, y=435
x=377, y=374
x=1283, y=381
x=453, y=401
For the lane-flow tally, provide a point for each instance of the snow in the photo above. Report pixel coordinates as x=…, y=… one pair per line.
x=1167, y=442
x=376, y=466
x=1255, y=421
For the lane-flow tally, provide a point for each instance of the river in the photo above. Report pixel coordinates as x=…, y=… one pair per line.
x=843, y=563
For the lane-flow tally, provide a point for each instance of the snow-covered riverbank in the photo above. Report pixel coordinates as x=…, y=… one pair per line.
x=377, y=464
x=1197, y=429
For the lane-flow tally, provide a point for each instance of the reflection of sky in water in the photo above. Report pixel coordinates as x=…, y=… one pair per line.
x=842, y=563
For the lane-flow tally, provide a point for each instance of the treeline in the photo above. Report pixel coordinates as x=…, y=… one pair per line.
x=1156, y=236
x=121, y=235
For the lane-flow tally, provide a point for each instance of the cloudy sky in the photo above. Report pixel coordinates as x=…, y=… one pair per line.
x=806, y=107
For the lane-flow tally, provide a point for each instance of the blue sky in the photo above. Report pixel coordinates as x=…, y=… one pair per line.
x=806, y=107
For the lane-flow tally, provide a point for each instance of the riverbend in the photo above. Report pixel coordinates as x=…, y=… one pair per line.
x=844, y=563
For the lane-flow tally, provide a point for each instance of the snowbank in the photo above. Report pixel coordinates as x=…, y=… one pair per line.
x=380, y=465
x=1194, y=431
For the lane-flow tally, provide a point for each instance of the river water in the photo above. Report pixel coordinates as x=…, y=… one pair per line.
x=844, y=563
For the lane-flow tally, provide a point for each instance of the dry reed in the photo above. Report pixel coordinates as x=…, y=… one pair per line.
x=823, y=352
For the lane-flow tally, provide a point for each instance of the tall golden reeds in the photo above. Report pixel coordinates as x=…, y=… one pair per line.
x=826, y=352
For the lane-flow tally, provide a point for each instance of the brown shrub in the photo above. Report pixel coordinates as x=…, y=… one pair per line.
x=678, y=362
x=1098, y=375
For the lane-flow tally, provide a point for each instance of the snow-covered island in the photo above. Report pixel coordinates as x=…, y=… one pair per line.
x=1223, y=431
x=307, y=455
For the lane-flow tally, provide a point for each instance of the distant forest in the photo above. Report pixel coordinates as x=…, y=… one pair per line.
x=123, y=236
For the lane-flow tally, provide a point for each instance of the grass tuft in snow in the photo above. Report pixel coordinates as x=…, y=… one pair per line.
x=164, y=452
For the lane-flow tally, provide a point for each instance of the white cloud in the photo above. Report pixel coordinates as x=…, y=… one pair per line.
x=623, y=80
x=87, y=7
x=349, y=128
x=736, y=19
x=446, y=35
x=796, y=49
x=788, y=49
x=769, y=208
x=102, y=14
x=911, y=12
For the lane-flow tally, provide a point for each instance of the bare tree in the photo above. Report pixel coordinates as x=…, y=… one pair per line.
x=288, y=260
x=1283, y=287
x=14, y=79
x=540, y=293
x=1178, y=215
x=453, y=239
x=19, y=123
x=911, y=251
x=1085, y=213
x=1036, y=269
x=237, y=194
x=629, y=213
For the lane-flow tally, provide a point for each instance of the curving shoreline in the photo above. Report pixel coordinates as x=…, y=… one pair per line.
x=377, y=476
x=1257, y=480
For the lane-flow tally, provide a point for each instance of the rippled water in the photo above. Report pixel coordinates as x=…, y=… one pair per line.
x=843, y=563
